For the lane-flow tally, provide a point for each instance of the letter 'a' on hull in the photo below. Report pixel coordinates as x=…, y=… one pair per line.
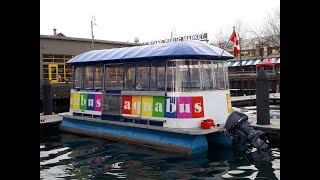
x=156, y=95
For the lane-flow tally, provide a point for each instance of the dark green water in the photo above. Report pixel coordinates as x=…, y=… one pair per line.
x=68, y=156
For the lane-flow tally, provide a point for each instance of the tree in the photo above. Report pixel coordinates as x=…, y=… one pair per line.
x=261, y=41
x=241, y=30
x=271, y=27
x=222, y=40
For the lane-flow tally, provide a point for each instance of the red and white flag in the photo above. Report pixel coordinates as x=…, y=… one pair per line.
x=235, y=40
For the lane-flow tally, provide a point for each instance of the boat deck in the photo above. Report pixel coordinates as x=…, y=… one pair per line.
x=189, y=131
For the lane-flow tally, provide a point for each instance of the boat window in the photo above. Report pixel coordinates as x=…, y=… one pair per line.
x=226, y=76
x=98, y=77
x=130, y=77
x=182, y=76
x=171, y=76
x=221, y=79
x=196, y=75
x=114, y=77
x=88, y=77
x=194, y=68
x=78, y=78
x=157, y=76
x=206, y=75
x=142, y=79
x=111, y=104
x=215, y=75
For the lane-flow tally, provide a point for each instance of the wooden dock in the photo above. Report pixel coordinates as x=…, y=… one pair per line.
x=272, y=130
x=49, y=125
x=50, y=119
x=251, y=100
x=273, y=127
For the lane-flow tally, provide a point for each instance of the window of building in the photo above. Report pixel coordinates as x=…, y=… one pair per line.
x=68, y=74
x=64, y=71
x=61, y=73
x=45, y=71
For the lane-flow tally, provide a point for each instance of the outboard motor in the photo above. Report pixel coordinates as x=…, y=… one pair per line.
x=238, y=123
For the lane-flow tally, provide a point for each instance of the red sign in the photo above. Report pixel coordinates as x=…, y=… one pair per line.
x=126, y=104
x=198, y=109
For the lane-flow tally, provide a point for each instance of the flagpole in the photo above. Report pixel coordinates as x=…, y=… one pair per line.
x=228, y=41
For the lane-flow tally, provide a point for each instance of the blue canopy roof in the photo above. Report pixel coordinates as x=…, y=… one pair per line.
x=173, y=50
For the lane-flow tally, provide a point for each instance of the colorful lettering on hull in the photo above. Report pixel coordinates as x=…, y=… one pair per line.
x=229, y=103
x=147, y=105
x=86, y=102
x=126, y=104
x=159, y=106
x=197, y=104
x=136, y=105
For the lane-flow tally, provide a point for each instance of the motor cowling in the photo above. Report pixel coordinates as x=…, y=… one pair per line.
x=238, y=123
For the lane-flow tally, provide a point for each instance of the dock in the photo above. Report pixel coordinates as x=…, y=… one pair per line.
x=50, y=119
x=49, y=124
x=249, y=100
x=273, y=127
x=272, y=130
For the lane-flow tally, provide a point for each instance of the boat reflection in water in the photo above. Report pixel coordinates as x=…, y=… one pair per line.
x=76, y=157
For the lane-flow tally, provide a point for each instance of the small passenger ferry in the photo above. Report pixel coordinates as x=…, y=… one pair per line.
x=157, y=95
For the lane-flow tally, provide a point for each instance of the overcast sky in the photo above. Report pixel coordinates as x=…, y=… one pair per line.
x=123, y=20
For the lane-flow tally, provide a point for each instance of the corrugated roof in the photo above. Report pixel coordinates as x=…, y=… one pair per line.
x=173, y=50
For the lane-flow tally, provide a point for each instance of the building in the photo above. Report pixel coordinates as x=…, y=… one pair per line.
x=253, y=51
x=56, y=50
x=243, y=71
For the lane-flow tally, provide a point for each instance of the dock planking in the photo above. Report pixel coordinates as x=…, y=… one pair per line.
x=50, y=119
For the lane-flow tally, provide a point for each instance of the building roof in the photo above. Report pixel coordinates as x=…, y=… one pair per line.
x=250, y=62
x=86, y=40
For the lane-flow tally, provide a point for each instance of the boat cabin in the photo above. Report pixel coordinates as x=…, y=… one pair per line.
x=174, y=85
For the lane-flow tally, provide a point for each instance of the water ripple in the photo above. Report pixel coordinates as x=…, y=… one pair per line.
x=79, y=157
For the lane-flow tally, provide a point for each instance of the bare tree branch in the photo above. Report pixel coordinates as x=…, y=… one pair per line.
x=271, y=27
x=222, y=40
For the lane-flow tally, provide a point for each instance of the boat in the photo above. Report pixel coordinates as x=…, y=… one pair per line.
x=172, y=96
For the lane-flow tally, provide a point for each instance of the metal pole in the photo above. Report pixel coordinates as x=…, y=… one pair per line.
x=262, y=98
x=240, y=39
x=228, y=41
x=92, y=46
